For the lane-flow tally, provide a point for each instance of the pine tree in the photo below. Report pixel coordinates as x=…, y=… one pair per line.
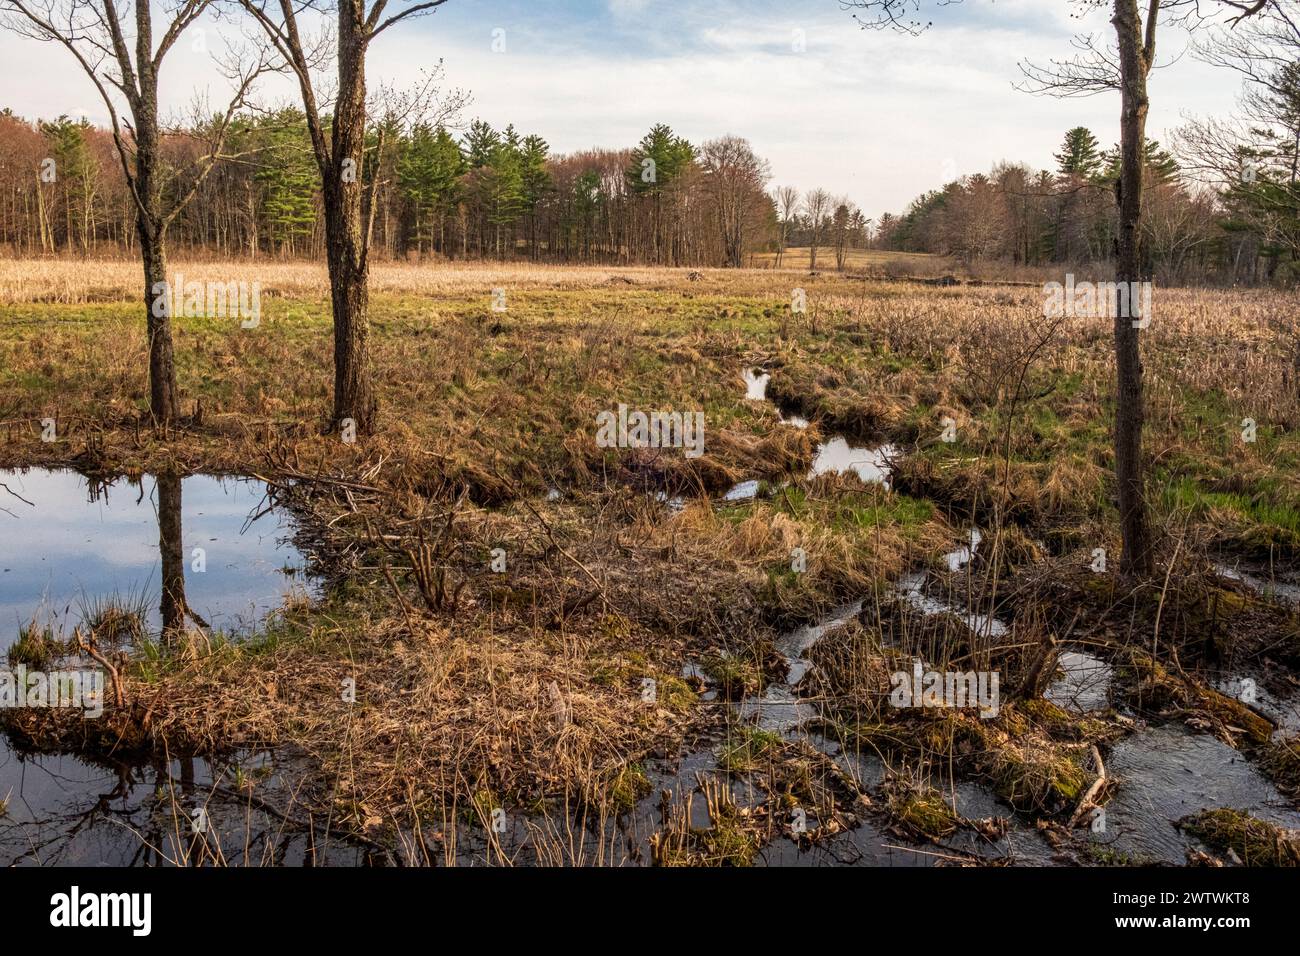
x=668, y=154
x=1160, y=165
x=658, y=161
x=506, y=186
x=1079, y=155
x=480, y=143
x=535, y=182
x=288, y=179
x=77, y=176
x=429, y=167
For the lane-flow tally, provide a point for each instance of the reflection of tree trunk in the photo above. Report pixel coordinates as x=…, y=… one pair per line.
x=173, y=558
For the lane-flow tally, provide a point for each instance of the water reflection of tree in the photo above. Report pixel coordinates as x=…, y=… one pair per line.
x=175, y=609
x=144, y=815
x=172, y=552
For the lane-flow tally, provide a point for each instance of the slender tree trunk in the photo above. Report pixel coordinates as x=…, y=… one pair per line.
x=349, y=294
x=47, y=241
x=345, y=239
x=1137, y=560
x=164, y=395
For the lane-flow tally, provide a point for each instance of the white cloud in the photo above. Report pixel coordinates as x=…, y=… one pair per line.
x=873, y=115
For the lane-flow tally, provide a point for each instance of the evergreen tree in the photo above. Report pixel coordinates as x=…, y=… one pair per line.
x=1160, y=165
x=1079, y=155
x=535, y=182
x=480, y=143
x=428, y=178
x=668, y=156
x=77, y=175
x=288, y=178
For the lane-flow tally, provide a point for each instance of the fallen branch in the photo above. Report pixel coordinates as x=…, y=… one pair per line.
x=1089, y=796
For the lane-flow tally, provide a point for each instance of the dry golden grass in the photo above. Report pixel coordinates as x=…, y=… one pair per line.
x=528, y=690
x=75, y=282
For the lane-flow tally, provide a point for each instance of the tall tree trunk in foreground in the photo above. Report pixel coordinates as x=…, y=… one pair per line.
x=346, y=243
x=339, y=158
x=1136, y=56
x=151, y=228
x=99, y=36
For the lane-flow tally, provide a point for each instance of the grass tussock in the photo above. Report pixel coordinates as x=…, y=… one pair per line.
x=1252, y=841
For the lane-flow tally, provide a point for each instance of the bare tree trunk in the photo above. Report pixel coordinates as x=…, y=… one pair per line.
x=349, y=294
x=164, y=395
x=47, y=242
x=346, y=250
x=1137, y=559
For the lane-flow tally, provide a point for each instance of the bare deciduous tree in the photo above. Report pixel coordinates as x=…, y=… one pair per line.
x=1096, y=68
x=816, y=206
x=734, y=178
x=338, y=139
x=787, y=202
x=114, y=46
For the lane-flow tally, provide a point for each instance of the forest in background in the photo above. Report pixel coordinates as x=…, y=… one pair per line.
x=1223, y=203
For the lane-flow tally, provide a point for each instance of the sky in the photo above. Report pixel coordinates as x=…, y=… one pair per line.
x=876, y=116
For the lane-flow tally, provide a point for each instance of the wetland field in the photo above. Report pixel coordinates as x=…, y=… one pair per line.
x=647, y=566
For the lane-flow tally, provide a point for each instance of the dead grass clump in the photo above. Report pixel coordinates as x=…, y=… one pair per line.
x=1154, y=688
x=1281, y=761
x=1252, y=841
x=920, y=812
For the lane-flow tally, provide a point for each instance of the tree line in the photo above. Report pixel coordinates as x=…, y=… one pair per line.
x=484, y=193
x=499, y=194
x=1245, y=228
x=479, y=193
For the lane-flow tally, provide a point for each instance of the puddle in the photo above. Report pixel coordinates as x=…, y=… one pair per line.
x=1021, y=843
x=911, y=588
x=62, y=811
x=794, y=645
x=1283, y=592
x=779, y=708
x=1167, y=773
x=956, y=560
x=742, y=491
x=78, y=545
x=165, y=550
x=1085, y=686
x=837, y=456
x=756, y=380
x=675, y=504
x=1282, y=708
